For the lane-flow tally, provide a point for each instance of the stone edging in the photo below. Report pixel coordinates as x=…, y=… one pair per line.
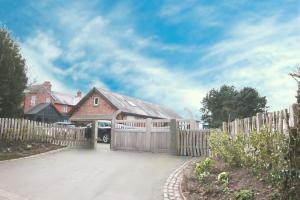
x=36, y=155
x=172, y=187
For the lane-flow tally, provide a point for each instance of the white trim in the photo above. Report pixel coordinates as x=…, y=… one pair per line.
x=94, y=102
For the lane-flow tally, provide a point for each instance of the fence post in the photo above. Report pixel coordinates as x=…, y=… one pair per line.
x=149, y=135
x=258, y=122
x=94, y=135
x=173, y=142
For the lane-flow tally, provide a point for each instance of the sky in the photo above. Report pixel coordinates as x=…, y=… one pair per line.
x=166, y=52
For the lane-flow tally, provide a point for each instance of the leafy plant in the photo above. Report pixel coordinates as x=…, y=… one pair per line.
x=223, y=177
x=204, y=166
x=244, y=195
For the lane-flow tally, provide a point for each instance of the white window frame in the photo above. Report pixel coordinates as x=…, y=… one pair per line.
x=94, y=102
x=33, y=100
x=65, y=108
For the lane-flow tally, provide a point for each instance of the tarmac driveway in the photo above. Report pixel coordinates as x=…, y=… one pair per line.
x=87, y=175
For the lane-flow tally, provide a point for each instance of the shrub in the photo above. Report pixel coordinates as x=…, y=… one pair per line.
x=203, y=168
x=244, y=195
x=223, y=177
x=223, y=147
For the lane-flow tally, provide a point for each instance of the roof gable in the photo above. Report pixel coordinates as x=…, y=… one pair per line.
x=136, y=106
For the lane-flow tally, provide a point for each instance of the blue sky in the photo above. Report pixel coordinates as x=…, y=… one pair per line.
x=166, y=52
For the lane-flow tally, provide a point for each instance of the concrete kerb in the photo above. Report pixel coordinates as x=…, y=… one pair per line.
x=172, y=188
x=37, y=155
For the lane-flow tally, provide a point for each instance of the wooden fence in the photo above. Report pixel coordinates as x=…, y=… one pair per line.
x=192, y=142
x=179, y=137
x=278, y=121
x=26, y=130
x=149, y=135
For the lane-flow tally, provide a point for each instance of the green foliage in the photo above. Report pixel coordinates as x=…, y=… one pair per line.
x=203, y=168
x=227, y=103
x=263, y=152
x=13, y=78
x=244, y=195
x=223, y=177
x=222, y=146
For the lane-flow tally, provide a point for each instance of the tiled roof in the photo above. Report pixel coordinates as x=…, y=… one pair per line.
x=37, y=108
x=58, y=97
x=136, y=106
x=63, y=98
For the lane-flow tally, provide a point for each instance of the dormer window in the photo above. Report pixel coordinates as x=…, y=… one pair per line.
x=96, y=101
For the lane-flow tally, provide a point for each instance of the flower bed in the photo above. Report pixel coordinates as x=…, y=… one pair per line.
x=223, y=182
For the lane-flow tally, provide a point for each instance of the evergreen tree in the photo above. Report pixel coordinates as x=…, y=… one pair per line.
x=227, y=103
x=13, y=78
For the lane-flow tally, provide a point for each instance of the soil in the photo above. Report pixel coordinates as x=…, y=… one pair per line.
x=17, y=149
x=210, y=188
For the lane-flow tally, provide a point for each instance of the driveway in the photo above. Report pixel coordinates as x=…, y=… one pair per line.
x=87, y=175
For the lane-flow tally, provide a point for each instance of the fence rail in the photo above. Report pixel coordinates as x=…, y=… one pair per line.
x=27, y=130
x=279, y=121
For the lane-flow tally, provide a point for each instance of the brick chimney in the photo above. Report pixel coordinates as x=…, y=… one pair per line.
x=47, y=85
x=78, y=93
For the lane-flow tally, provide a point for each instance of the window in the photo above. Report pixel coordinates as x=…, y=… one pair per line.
x=96, y=101
x=47, y=100
x=65, y=108
x=33, y=100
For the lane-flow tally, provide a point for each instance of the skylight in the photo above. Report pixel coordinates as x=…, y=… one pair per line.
x=131, y=103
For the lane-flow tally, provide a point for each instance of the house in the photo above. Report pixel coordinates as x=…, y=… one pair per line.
x=42, y=93
x=44, y=112
x=101, y=104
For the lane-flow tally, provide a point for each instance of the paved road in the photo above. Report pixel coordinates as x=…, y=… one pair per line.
x=87, y=175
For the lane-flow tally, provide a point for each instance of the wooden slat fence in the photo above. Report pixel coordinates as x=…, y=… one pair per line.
x=179, y=137
x=148, y=135
x=27, y=130
x=192, y=142
x=275, y=121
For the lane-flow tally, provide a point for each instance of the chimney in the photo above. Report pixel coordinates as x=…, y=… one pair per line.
x=47, y=85
x=78, y=93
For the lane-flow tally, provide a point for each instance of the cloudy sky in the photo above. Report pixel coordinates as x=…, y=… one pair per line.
x=166, y=52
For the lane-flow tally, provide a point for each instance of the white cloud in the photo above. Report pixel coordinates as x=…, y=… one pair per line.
x=100, y=47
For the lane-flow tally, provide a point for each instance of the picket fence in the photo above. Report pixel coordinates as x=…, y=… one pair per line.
x=27, y=130
x=279, y=121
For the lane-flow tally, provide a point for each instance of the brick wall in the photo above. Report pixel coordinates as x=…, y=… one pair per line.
x=60, y=107
x=39, y=98
x=88, y=108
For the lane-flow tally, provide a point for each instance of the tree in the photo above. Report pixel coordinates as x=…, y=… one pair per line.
x=227, y=104
x=13, y=78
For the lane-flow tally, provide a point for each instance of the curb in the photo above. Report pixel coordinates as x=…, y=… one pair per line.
x=36, y=155
x=172, y=187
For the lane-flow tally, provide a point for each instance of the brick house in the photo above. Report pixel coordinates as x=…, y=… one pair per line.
x=42, y=93
x=101, y=104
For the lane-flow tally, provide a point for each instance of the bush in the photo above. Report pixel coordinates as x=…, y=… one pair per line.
x=244, y=195
x=223, y=147
x=203, y=168
x=263, y=152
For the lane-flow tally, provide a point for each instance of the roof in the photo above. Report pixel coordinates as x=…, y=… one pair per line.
x=61, y=98
x=36, y=109
x=136, y=106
